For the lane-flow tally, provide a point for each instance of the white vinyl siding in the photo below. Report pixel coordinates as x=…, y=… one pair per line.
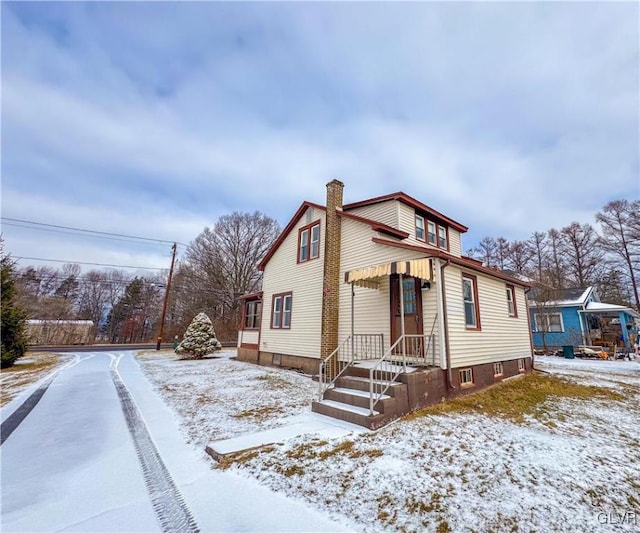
x=250, y=336
x=372, y=307
x=407, y=223
x=304, y=280
x=385, y=212
x=500, y=339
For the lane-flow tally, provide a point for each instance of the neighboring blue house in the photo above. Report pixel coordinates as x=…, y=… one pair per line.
x=576, y=317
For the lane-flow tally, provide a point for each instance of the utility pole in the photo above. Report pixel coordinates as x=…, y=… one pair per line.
x=166, y=296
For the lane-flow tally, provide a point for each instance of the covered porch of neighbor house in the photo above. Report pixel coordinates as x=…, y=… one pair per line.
x=609, y=325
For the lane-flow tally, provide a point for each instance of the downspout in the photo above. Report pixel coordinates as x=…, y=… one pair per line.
x=445, y=320
x=526, y=300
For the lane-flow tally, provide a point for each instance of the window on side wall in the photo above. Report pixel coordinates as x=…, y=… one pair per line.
x=521, y=365
x=470, y=298
x=309, y=242
x=281, y=311
x=442, y=237
x=511, y=301
x=498, y=369
x=549, y=322
x=252, y=312
x=431, y=227
x=420, y=228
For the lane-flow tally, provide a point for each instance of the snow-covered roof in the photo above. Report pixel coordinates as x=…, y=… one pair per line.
x=562, y=297
x=602, y=307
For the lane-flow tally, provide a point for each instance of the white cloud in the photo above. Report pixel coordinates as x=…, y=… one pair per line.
x=509, y=118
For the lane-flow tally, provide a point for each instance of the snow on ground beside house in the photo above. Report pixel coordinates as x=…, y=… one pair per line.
x=572, y=467
x=219, y=398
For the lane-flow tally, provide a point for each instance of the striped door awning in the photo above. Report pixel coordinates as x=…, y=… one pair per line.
x=370, y=276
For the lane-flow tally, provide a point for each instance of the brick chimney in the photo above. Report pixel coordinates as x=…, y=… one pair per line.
x=331, y=275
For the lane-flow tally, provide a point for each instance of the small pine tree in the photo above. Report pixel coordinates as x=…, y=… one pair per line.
x=199, y=339
x=14, y=337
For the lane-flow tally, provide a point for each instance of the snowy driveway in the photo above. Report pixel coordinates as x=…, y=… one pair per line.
x=101, y=452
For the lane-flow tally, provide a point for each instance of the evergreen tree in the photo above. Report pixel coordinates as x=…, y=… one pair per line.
x=199, y=339
x=14, y=339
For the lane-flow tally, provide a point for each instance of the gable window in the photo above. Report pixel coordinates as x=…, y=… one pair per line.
x=511, y=301
x=309, y=242
x=498, y=369
x=470, y=297
x=442, y=237
x=252, y=312
x=466, y=377
x=549, y=322
x=419, y=228
x=432, y=233
x=281, y=311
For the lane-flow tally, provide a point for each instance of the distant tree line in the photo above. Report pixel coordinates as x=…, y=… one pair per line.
x=578, y=255
x=217, y=267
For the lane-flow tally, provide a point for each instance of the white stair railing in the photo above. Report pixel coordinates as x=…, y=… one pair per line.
x=408, y=349
x=358, y=347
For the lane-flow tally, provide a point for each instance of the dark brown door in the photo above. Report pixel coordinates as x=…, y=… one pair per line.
x=412, y=301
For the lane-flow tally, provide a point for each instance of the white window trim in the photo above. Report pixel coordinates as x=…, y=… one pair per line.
x=429, y=233
x=464, y=373
x=538, y=316
x=498, y=366
x=424, y=229
x=521, y=365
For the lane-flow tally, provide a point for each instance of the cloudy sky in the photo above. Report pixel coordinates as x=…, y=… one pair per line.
x=154, y=119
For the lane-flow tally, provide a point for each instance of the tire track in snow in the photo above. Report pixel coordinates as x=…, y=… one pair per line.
x=167, y=500
x=17, y=417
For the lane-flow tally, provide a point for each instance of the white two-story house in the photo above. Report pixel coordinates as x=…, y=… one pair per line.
x=377, y=299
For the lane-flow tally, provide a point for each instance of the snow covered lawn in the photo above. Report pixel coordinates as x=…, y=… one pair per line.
x=27, y=370
x=542, y=463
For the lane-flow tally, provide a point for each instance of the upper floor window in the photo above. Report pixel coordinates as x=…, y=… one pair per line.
x=470, y=297
x=442, y=237
x=419, y=228
x=252, y=312
x=281, y=311
x=511, y=301
x=309, y=242
x=432, y=233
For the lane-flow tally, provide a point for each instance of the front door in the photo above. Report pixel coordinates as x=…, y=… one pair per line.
x=412, y=302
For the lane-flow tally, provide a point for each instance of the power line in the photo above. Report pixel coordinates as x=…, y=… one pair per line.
x=89, y=231
x=81, y=235
x=85, y=263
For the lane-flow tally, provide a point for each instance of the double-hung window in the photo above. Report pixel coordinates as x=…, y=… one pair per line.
x=420, y=228
x=549, y=322
x=442, y=237
x=511, y=301
x=431, y=227
x=470, y=297
x=309, y=242
x=281, y=311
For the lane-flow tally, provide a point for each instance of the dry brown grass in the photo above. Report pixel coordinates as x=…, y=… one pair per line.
x=23, y=373
x=515, y=399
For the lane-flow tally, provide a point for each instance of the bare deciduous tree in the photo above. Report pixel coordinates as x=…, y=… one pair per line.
x=225, y=259
x=620, y=225
x=582, y=254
